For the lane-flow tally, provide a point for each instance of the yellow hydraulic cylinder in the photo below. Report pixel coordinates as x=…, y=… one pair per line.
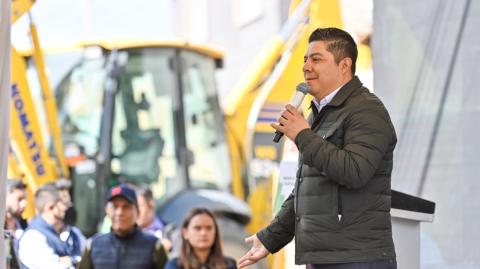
x=49, y=101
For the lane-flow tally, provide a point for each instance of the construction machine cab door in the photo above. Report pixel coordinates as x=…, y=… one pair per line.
x=168, y=114
x=167, y=99
x=204, y=124
x=144, y=127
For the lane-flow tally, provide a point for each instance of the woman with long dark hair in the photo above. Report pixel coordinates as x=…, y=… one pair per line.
x=201, y=247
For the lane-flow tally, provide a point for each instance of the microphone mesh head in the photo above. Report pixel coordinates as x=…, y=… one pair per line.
x=303, y=87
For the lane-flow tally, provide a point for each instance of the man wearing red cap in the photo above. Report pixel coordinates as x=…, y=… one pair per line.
x=126, y=246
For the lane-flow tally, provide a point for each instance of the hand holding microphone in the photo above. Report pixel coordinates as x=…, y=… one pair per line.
x=291, y=121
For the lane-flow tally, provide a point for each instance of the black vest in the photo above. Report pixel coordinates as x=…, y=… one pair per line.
x=134, y=251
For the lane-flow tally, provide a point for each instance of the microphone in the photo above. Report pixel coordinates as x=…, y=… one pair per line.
x=297, y=98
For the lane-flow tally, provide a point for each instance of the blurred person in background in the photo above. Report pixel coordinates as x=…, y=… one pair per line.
x=16, y=201
x=201, y=245
x=63, y=186
x=40, y=246
x=126, y=246
x=147, y=219
x=70, y=234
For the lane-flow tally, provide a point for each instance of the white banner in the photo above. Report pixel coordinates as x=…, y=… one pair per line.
x=5, y=10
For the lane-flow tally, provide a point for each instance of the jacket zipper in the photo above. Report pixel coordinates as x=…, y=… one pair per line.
x=318, y=122
x=339, y=204
x=121, y=255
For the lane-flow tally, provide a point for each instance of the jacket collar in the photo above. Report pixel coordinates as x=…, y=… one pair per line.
x=345, y=91
x=131, y=234
x=40, y=223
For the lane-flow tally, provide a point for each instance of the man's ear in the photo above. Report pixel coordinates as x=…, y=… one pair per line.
x=49, y=206
x=151, y=203
x=346, y=65
x=108, y=208
x=136, y=211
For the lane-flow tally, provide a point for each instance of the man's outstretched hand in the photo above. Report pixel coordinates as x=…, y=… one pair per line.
x=256, y=253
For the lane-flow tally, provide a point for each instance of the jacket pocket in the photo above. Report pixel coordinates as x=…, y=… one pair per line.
x=326, y=132
x=319, y=223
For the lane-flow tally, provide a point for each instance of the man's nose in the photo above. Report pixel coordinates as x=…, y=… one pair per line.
x=306, y=67
x=118, y=211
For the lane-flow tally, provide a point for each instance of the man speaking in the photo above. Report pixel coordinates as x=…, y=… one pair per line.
x=339, y=211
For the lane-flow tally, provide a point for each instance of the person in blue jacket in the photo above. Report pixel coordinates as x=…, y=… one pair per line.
x=201, y=247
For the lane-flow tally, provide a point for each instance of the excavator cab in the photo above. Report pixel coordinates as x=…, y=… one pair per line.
x=147, y=115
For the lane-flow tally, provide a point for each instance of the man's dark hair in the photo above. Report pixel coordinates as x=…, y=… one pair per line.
x=15, y=184
x=145, y=192
x=46, y=193
x=340, y=44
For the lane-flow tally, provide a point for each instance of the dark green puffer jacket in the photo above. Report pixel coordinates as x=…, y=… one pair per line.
x=339, y=211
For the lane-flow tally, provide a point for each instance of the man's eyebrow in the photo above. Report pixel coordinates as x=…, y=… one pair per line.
x=312, y=55
x=316, y=54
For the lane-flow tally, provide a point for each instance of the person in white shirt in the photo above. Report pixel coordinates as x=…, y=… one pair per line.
x=40, y=246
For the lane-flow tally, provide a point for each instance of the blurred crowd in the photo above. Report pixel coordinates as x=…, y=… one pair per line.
x=132, y=236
